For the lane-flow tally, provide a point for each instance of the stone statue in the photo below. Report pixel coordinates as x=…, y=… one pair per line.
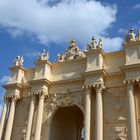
x=130, y=36
x=92, y=44
x=73, y=52
x=43, y=55
x=100, y=43
x=18, y=61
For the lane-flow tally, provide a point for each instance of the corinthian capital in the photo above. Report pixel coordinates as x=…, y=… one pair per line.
x=43, y=95
x=100, y=85
x=15, y=97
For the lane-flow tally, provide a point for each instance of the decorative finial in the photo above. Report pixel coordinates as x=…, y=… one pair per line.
x=19, y=60
x=43, y=55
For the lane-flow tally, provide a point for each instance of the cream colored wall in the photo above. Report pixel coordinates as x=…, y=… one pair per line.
x=68, y=70
x=113, y=61
x=67, y=77
x=21, y=118
x=137, y=99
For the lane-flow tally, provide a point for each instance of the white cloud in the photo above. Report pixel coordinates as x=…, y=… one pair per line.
x=136, y=6
x=68, y=19
x=121, y=30
x=111, y=44
x=4, y=79
x=31, y=53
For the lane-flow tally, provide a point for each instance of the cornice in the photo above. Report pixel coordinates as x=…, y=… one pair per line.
x=89, y=73
x=130, y=67
x=40, y=81
x=42, y=62
x=115, y=74
x=17, y=67
x=131, y=44
x=13, y=85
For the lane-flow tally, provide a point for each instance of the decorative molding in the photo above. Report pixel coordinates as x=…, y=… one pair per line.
x=14, y=96
x=117, y=131
x=73, y=52
x=55, y=101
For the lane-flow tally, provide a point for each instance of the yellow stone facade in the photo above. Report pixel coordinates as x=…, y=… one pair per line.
x=94, y=90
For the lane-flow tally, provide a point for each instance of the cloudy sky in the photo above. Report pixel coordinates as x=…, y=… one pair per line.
x=27, y=26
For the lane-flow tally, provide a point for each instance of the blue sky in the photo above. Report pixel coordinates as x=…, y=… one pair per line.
x=26, y=27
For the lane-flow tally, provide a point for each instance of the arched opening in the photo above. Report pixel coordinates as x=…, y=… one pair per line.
x=67, y=124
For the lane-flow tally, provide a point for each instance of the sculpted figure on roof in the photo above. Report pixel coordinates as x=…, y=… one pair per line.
x=73, y=52
x=131, y=36
x=43, y=55
x=18, y=61
x=94, y=44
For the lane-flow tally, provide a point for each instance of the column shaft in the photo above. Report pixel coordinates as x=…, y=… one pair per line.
x=87, y=114
x=132, y=131
x=3, y=117
x=39, y=118
x=30, y=118
x=99, y=116
x=10, y=120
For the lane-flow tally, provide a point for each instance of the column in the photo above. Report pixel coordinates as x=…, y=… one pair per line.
x=3, y=117
x=99, y=115
x=30, y=118
x=87, y=114
x=48, y=131
x=39, y=117
x=10, y=119
x=132, y=127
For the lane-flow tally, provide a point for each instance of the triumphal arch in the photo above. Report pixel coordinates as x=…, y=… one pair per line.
x=90, y=95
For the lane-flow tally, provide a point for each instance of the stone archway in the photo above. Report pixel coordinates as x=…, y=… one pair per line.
x=67, y=124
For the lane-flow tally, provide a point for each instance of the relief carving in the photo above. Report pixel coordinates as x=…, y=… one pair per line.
x=73, y=52
x=62, y=100
x=94, y=45
x=119, y=132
